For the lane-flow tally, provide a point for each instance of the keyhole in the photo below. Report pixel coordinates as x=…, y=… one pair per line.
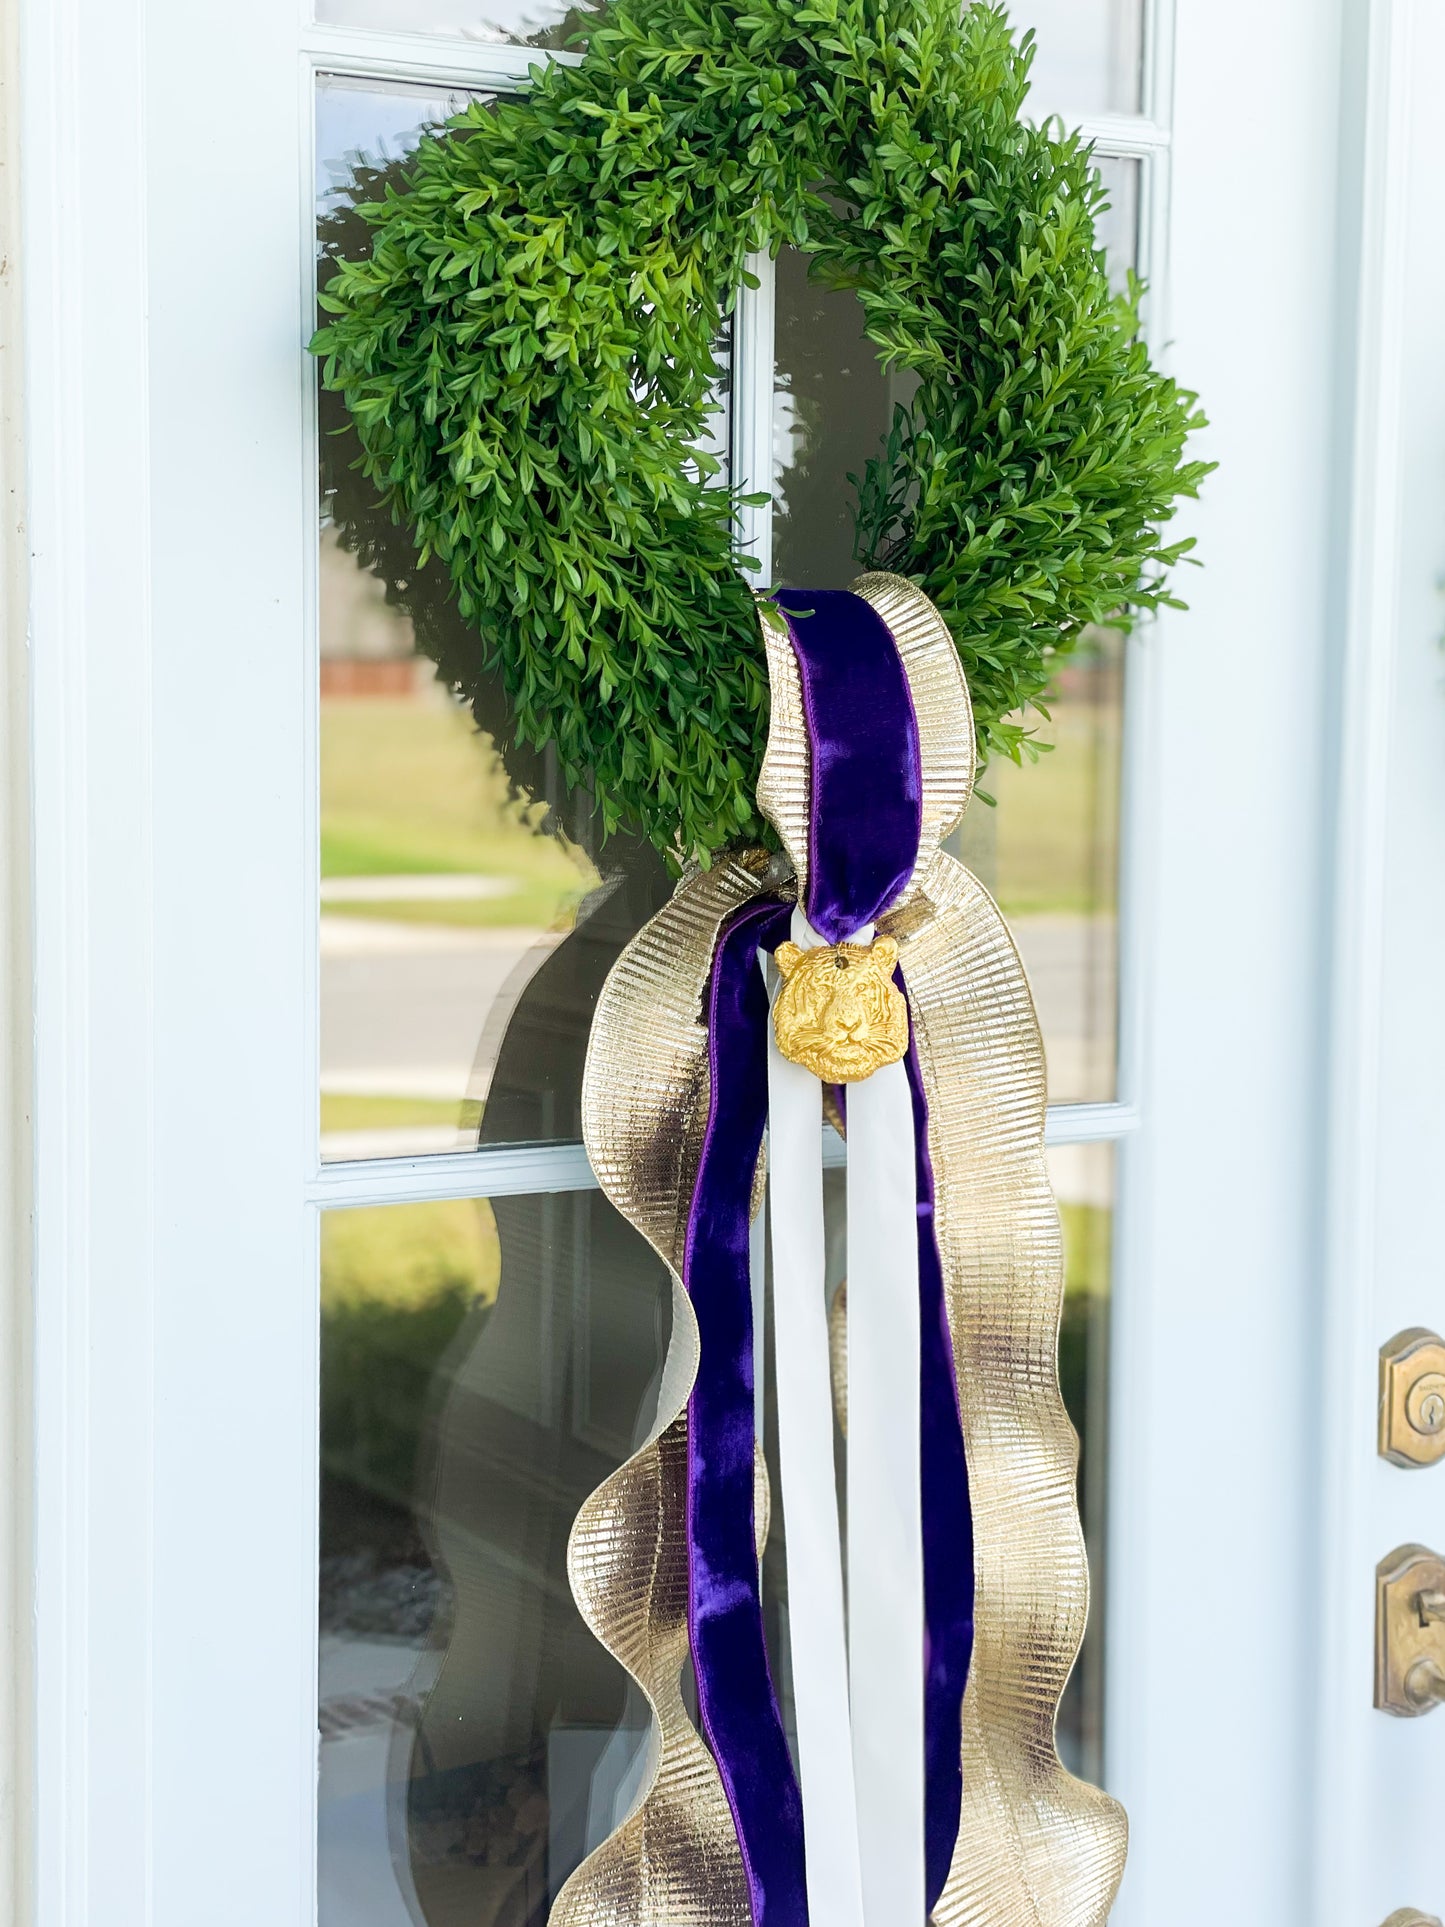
x=1425, y=1405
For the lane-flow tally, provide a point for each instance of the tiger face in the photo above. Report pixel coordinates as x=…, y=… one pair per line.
x=839, y=1013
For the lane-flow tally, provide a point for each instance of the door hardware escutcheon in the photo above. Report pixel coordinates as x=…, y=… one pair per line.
x=1412, y=1917
x=1410, y=1632
x=1412, y=1398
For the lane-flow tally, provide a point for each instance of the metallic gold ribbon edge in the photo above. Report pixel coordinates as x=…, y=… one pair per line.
x=1037, y=1847
x=675, y=1860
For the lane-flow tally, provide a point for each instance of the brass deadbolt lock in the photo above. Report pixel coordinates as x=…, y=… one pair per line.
x=1412, y=1398
x=1410, y=1632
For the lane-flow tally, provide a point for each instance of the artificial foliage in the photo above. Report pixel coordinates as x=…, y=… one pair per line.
x=528, y=353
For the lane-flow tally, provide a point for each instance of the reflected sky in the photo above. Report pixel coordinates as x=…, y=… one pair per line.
x=374, y=121
x=1089, y=58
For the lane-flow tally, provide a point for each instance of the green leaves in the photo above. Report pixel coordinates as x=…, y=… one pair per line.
x=526, y=351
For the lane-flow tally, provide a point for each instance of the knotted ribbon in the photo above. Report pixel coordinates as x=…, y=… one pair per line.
x=929, y=1781
x=864, y=823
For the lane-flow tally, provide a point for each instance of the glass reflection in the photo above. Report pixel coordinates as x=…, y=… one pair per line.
x=484, y=1367
x=468, y=912
x=832, y=408
x=1116, y=228
x=1089, y=57
x=1049, y=852
x=1083, y=1180
x=550, y=24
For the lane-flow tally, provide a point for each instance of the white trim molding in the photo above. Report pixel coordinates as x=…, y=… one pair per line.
x=17, y=1734
x=431, y=59
x=88, y=387
x=754, y=328
x=175, y=1752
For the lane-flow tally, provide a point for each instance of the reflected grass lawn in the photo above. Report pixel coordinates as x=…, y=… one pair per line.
x=529, y=908
x=410, y=788
x=347, y=1111
x=397, y=1284
x=406, y=1256
x=1088, y=1248
x=1056, y=824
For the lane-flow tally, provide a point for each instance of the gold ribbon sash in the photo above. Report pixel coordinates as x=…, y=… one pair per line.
x=1036, y=1847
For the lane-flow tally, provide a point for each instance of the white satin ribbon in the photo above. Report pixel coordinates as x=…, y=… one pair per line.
x=885, y=1513
x=817, y=1639
x=857, y=1693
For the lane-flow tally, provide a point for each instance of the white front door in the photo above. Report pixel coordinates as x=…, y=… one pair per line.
x=1376, y=1837
x=314, y=977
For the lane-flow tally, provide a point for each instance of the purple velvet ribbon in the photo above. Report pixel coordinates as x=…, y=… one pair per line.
x=947, y=1528
x=739, y=1707
x=866, y=779
x=865, y=817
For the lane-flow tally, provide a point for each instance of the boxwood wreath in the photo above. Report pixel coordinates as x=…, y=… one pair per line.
x=528, y=354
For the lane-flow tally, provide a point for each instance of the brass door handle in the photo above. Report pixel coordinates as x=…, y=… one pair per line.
x=1425, y=1685
x=1410, y=1632
x=1412, y=1917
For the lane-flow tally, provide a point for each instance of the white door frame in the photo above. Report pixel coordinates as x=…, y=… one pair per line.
x=176, y=1352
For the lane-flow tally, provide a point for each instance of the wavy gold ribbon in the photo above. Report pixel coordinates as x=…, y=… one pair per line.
x=1036, y=1847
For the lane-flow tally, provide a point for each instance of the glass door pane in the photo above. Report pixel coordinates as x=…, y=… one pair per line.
x=484, y=1365
x=469, y=908
x=1083, y=1177
x=1090, y=54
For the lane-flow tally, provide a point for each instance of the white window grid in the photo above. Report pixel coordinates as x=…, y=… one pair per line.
x=432, y=62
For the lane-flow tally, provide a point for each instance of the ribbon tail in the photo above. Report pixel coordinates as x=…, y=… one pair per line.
x=736, y=1699
x=809, y=1490
x=885, y=1523
x=947, y=1523
x=677, y=1856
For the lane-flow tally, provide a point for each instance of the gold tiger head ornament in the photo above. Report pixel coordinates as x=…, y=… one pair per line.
x=839, y=1012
